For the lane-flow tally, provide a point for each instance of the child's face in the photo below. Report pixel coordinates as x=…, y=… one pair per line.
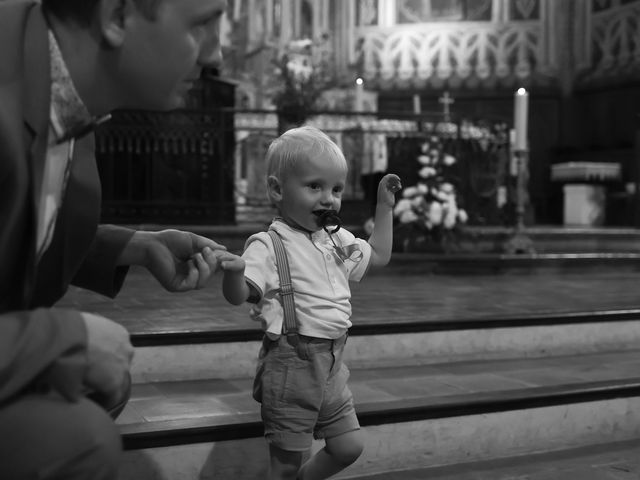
x=313, y=185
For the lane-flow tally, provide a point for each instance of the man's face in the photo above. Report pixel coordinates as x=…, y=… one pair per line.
x=312, y=186
x=162, y=57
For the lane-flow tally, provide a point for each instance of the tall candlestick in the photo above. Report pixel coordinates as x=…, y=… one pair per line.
x=416, y=104
x=520, y=118
x=359, y=95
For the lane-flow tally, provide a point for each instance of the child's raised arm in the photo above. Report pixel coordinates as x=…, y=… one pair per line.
x=234, y=287
x=381, y=239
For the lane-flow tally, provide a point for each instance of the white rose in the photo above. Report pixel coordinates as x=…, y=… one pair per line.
x=424, y=160
x=402, y=205
x=408, y=216
x=462, y=216
x=434, y=214
x=410, y=192
x=447, y=187
x=426, y=172
x=450, y=216
x=449, y=160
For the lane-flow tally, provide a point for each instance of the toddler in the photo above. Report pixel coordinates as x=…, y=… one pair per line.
x=301, y=297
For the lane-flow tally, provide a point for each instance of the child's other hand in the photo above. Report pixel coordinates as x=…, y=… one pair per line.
x=387, y=188
x=229, y=262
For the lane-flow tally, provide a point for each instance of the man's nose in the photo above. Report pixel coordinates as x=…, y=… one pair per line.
x=211, y=52
x=211, y=49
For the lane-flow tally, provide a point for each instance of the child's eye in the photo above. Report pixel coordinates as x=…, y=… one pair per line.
x=338, y=189
x=314, y=186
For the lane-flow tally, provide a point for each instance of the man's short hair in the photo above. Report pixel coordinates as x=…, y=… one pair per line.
x=81, y=11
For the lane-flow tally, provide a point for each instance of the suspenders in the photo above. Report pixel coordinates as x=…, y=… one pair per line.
x=289, y=325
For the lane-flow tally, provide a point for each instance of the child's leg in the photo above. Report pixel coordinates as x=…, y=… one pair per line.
x=338, y=453
x=284, y=464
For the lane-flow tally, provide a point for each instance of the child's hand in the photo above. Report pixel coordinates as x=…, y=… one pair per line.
x=387, y=188
x=229, y=262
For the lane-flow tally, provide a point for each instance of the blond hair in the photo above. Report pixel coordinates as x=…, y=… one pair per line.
x=301, y=144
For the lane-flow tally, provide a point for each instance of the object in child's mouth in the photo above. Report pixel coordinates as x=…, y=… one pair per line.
x=328, y=218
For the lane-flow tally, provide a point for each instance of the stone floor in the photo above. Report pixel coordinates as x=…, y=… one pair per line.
x=144, y=306
x=392, y=296
x=613, y=461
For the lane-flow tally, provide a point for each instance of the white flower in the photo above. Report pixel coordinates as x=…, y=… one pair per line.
x=462, y=216
x=410, y=192
x=450, y=216
x=423, y=189
x=424, y=159
x=299, y=45
x=300, y=71
x=449, y=160
x=446, y=187
x=424, y=148
x=427, y=172
x=408, y=216
x=419, y=204
x=440, y=195
x=434, y=214
x=402, y=205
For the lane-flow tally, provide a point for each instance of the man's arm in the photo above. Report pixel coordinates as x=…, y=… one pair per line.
x=101, y=271
x=381, y=239
x=180, y=261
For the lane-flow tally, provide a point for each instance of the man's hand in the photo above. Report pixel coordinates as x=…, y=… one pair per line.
x=180, y=261
x=387, y=188
x=109, y=354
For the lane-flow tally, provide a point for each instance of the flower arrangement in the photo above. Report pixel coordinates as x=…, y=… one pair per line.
x=302, y=73
x=429, y=214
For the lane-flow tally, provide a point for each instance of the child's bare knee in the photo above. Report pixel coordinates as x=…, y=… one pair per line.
x=347, y=453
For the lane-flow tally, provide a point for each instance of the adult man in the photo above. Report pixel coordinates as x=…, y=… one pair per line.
x=63, y=65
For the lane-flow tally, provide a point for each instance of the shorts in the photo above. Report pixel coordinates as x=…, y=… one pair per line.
x=303, y=391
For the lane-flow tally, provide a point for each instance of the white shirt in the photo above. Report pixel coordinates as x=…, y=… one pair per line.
x=319, y=276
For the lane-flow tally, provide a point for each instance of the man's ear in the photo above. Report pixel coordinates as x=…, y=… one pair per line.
x=112, y=15
x=274, y=189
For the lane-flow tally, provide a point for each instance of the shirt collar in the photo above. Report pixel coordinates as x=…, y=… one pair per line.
x=68, y=113
x=282, y=227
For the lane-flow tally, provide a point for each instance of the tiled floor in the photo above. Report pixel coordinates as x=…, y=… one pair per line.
x=614, y=461
x=144, y=306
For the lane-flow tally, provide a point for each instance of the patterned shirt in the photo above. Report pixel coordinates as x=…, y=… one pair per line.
x=66, y=113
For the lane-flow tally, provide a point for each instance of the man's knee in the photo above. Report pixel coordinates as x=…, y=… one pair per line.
x=57, y=439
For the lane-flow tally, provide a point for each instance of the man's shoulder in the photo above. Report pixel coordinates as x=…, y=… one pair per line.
x=14, y=17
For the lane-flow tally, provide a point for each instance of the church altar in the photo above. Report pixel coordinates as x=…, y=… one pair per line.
x=482, y=176
x=585, y=191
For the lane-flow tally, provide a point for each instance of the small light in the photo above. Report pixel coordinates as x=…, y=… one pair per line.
x=359, y=81
x=521, y=91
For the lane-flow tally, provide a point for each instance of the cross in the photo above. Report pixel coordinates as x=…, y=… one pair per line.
x=446, y=100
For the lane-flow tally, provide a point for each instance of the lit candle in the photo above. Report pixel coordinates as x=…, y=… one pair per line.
x=520, y=119
x=416, y=104
x=359, y=96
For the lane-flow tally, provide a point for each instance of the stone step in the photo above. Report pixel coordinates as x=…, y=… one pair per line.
x=608, y=461
x=476, y=240
x=413, y=416
x=202, y=354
